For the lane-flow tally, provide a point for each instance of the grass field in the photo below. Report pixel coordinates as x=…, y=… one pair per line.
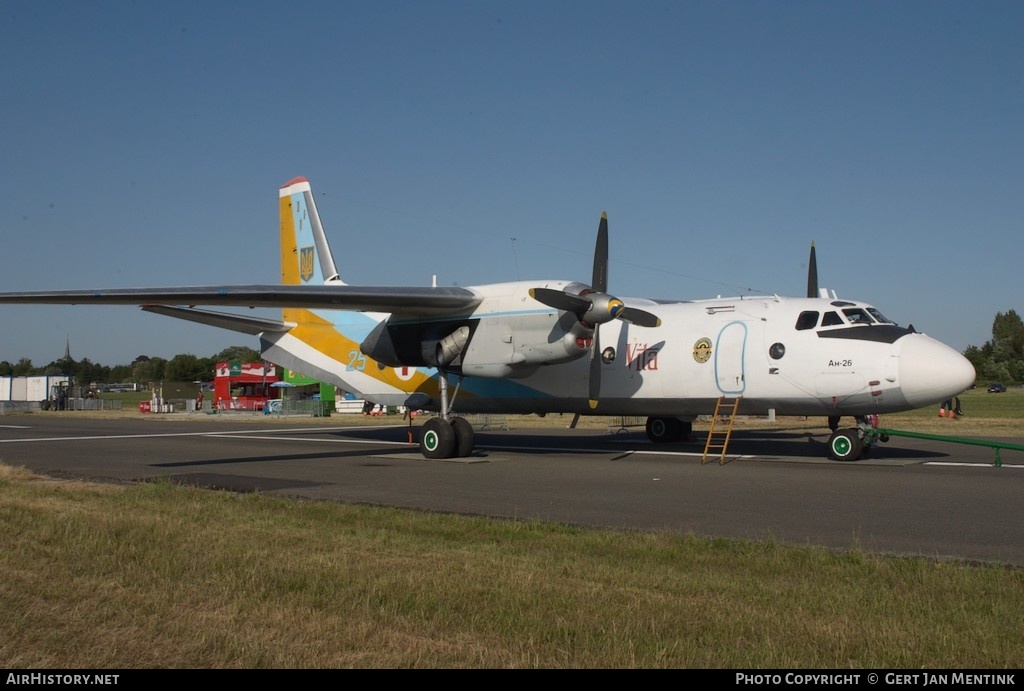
x=165, y=576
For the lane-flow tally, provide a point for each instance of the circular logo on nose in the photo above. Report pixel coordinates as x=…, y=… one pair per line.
x=702, y=350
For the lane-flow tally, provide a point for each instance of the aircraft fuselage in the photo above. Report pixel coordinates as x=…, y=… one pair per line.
x=796, y=356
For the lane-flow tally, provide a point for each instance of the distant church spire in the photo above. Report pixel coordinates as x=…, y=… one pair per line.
x=67, y=350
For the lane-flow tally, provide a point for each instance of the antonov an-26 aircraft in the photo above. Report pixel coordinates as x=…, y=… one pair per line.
x=559, y=346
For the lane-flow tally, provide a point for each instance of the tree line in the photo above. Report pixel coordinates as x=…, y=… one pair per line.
x=1001, y=359
x=142, y=370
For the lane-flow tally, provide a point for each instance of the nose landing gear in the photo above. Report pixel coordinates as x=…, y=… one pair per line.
x=851, y=443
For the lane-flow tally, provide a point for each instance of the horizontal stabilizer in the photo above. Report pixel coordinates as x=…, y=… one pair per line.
x=233, y=322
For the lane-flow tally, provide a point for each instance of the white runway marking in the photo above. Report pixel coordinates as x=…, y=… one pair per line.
x=313, y=439
x=972, y=465
x=182, y=434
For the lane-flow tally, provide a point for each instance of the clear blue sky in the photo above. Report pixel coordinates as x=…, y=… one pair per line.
x=143, y=144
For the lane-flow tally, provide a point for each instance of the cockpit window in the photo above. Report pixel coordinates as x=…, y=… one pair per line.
x=806, y=320
x=832, y=319
x=879, y=317
x=857, y=316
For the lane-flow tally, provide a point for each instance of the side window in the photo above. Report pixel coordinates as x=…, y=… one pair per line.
x=832, y=319
x=806, y=320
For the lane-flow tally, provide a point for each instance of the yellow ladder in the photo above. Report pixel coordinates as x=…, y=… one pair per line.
x=726, y=407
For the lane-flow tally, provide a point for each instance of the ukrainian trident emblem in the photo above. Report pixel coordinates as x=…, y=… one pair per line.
x=306, y=263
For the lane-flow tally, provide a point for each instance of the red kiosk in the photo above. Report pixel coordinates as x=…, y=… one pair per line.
x=244, y=386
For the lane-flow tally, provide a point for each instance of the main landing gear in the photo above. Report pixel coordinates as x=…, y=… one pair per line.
x=664, y=430
x=446, y=436
x=440, y=438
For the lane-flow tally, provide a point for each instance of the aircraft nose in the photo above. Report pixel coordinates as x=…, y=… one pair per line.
x=930, y=371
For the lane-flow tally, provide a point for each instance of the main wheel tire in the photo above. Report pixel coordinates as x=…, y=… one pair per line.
x=663, y=430
x=464, y=436
x=845, y=445
x=437, y=439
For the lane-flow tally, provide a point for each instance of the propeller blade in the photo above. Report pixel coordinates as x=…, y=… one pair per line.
x=595, y=369
x=639, y=317
x=560, y=300
x=812, y=274
x=599, y=284
x=596, y=307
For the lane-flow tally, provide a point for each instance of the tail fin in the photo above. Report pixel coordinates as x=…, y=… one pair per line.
x=324, y=343
x=305, y=255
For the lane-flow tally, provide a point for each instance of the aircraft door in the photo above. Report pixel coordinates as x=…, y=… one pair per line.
x=729, y=354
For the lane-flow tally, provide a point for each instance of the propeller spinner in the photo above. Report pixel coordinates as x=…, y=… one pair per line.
x=595, y=306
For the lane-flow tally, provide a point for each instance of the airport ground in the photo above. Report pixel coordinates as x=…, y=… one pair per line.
x=145, y=568
x=912, y=496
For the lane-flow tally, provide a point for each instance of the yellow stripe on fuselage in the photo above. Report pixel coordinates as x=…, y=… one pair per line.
x=323, y=336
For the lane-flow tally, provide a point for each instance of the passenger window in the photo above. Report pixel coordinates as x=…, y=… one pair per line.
x=806, y=320
x=857, y=316
x=832, y=319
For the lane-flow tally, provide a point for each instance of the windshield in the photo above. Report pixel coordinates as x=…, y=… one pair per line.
x=879, y=316
x=857, y=316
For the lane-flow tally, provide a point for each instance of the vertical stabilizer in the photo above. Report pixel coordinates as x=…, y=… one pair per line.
x=305, y=255
x=319, y=342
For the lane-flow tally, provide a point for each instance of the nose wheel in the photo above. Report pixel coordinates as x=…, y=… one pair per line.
x=845, y=445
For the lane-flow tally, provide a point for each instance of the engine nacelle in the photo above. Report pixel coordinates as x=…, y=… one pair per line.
x=443, y=352
x=517, y=347
x=416, y=345
x=509, y=346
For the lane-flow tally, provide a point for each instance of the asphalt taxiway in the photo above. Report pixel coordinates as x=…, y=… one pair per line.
x=911, y=497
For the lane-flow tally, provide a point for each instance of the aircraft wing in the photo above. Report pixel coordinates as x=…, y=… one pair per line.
x=401, y=300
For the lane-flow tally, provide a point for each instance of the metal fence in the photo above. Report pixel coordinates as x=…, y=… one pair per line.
x=66, y=404
x=277, y=407
x=624, y=423
x=488, y=422
x=17, y=407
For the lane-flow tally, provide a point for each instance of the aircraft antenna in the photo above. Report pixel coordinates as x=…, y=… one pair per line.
x=515, y=259
x=812, y=274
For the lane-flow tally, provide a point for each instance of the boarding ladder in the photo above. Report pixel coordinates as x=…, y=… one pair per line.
x=718, y=440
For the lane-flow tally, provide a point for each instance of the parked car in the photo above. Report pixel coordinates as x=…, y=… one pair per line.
x=996, y=387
